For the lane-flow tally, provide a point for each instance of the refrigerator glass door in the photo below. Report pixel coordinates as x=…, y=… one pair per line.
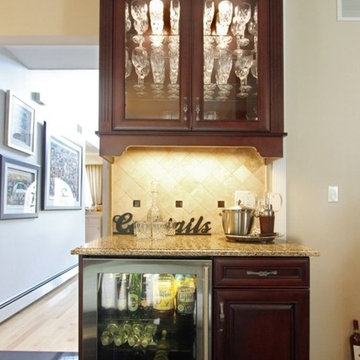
x=146, y=309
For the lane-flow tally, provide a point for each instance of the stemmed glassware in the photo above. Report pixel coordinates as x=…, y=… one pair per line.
x=156, y=10
x=127, y=18
x=208, y=16
x=174, y=16
x=223, y=21
x=157, y=56
x=242, y=14
x=253, y=27
x=139, y=12
x=174, y=67
x=223, y=73
x=157, y=60
x=242, y=67
x=140, y=60
x=209, y=59
x=224, y=17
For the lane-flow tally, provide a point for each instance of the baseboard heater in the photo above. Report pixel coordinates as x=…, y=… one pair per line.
x=21, y=301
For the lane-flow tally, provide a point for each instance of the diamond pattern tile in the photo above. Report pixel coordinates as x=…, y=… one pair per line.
x=198, y=177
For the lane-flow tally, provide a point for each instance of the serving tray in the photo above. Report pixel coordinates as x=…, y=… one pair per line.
x=256, y=238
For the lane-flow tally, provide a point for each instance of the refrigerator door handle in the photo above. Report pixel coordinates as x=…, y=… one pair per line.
x=206, y=313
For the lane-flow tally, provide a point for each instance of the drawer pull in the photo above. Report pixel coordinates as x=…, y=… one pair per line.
x=221, y=316
x=262, y=273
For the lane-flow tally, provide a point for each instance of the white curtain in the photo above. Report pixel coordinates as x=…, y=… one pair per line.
x=94, y=175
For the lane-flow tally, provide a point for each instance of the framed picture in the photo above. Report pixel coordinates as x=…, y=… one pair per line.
x=18, y=189
x=348, y=10
x=19, y=124
x=62, y=175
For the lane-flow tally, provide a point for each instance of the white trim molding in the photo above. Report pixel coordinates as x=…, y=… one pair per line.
x=21, y=301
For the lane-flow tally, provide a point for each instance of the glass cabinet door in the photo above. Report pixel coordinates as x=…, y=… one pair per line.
x=230, y=90
x=192, y=64
x=151, y=70
x=146, y=309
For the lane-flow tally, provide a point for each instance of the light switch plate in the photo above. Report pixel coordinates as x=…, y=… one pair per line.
x=333, y=193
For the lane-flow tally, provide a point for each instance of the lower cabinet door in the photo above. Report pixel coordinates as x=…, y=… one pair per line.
x=261, y=324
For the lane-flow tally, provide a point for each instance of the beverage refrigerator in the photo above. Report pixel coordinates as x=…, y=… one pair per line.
x=152, y=309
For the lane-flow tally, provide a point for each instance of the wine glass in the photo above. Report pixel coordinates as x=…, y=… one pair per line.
x=174, y=16
x=208, y=67
x=139, y=11
x=157, y=61
x=174, y=67
x=224, y=16
x=223, y=73
x=140, y=60
x=271, y=198
x=127, y=18
x=209, y=11
x=156, y=16
x=253, y=27
x=242, y=14
x=242, y=67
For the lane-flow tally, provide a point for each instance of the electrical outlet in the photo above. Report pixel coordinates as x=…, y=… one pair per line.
x=333, y=193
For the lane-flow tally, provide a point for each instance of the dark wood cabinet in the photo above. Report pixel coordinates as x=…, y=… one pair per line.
x=175, y=79
x=261, y=308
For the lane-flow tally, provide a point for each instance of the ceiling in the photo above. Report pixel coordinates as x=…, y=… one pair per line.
x=56, y=57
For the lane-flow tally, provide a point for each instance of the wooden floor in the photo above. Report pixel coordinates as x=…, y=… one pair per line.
x=50, y=324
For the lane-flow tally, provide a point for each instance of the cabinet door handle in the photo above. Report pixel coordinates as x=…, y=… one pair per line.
x=197, y=109
x=221, y=316
x=185, y=108
x=262, y=273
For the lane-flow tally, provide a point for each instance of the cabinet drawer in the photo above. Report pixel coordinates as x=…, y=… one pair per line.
x=264, y=272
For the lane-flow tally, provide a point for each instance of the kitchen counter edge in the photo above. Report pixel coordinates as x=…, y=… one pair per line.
x=189, y=246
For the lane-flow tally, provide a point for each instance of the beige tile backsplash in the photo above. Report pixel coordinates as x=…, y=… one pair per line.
x=199, y=177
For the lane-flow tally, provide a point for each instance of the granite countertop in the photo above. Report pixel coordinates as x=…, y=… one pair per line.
x=213, y=245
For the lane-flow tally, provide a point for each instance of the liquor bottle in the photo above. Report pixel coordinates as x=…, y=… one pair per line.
x=108, y=295
x=163, y=295
x=185, y=297
x=122, y=294
x=162, y=352
x=178, y=280
x=154, y=213
x=134, y=295
x=146, y=296
x=355, y=341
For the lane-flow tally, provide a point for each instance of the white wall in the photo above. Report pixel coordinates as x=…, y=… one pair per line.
x=34, y=250
x=322, y=96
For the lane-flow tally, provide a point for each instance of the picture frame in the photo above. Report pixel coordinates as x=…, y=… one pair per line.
x=19, y=124
x=348, y=10
x=19, y=189
x=62, y=173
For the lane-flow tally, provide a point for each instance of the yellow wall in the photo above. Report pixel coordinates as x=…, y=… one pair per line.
x=65, y=21
x=323, y=122
x=197, y=177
